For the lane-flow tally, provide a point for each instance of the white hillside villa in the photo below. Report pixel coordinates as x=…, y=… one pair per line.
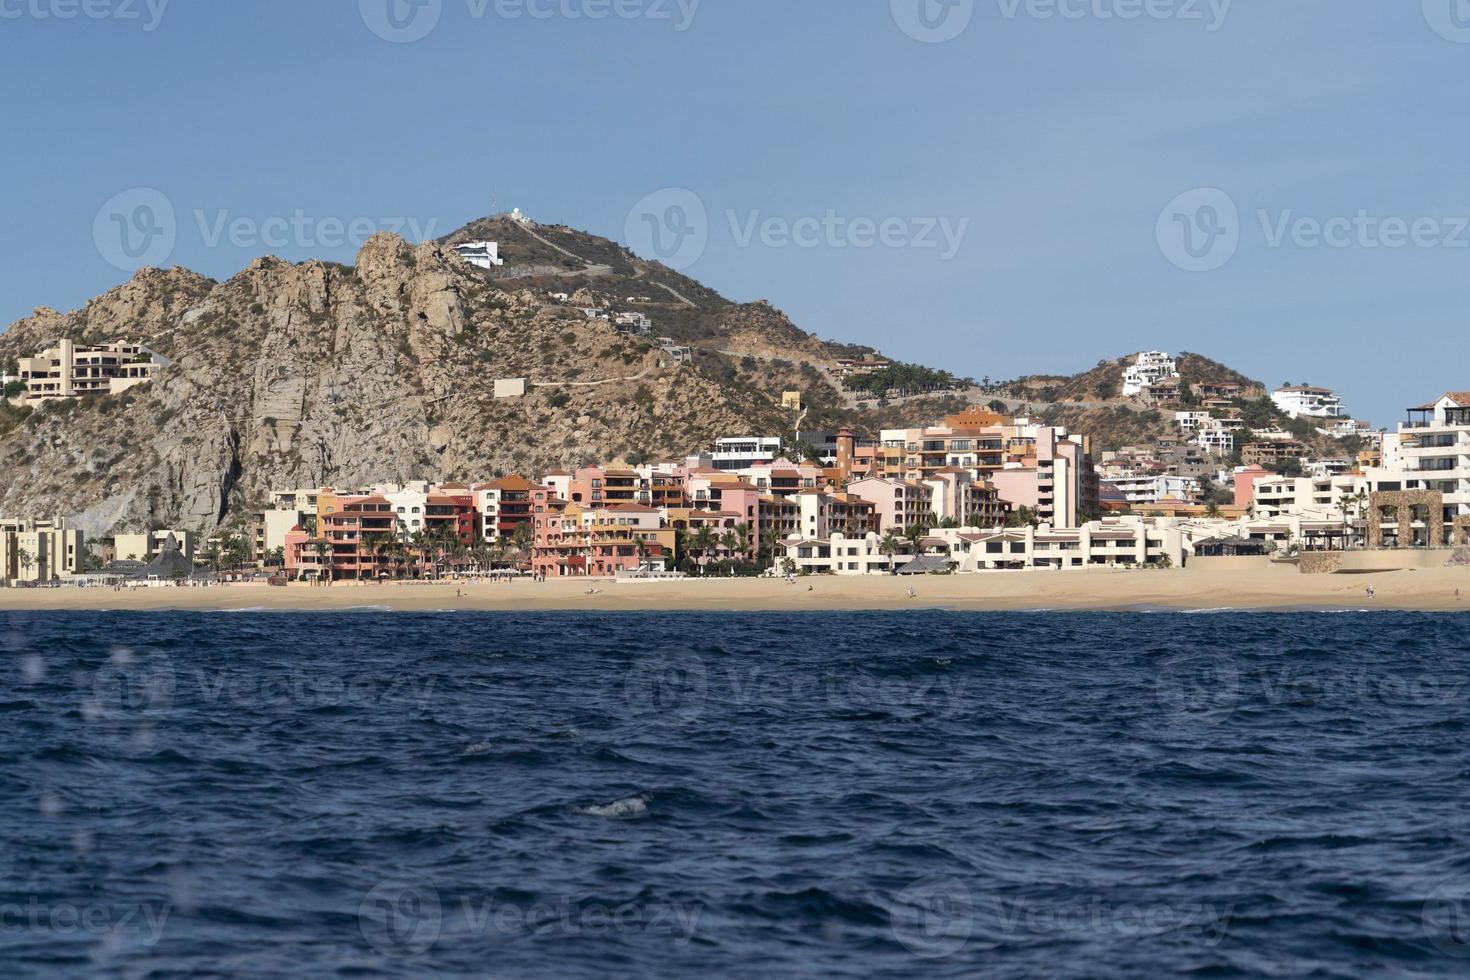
x=1300, y=400
x=483, y=255
x=1150, y=368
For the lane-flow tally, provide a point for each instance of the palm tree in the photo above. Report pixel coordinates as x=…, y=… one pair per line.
x=1345, y=503
x=890, y=546
x=322, y=549
x=915, y=534
x=418, y=544
x=25, y=560
x=380, y=545
x=1212, y=509
x=523, y=538
x=746, y=534
x=1022, y=516
x=703, y=542
x=731, y=542
x=1361, y=498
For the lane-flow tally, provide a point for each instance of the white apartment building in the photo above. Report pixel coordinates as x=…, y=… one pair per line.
x=1151, y=367
x=1305, y=400
x=483, y=255
x=1191, y=421
x=841, y=555
x=71, y=370
x=277, y=524
x=1343, y=427
x=1150, y=488
x=1216, y=438
x=1115, y=542
x=410, y=503
x=1287, y=496
x=1432, y=452
x=742, y=452
x=1328, y=467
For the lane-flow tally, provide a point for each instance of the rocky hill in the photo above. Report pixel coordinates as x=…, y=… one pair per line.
x=1092, y=402
x=292, y=375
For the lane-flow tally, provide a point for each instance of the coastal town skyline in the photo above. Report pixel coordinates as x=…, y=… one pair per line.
x=977, y=490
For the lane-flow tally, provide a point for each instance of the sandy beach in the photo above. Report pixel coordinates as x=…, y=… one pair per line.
x=1271, y=588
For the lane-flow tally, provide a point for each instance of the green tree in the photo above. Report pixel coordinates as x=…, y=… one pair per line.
x=731, y=542
x=1023, y=517
x=703, y=541
x=891, y=545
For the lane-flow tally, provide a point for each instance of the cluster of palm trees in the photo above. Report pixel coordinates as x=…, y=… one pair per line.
x=706, y=542
x=909, y=539
x=430, y=553
x=1352, y=502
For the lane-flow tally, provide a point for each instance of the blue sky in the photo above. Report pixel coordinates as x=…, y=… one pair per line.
x=1067, y=148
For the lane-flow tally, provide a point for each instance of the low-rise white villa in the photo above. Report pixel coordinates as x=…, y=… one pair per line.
x=1150, y=368
x=1306, y=400
x=482, y=255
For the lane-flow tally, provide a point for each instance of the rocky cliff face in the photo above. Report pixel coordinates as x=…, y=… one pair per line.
x=305, y=375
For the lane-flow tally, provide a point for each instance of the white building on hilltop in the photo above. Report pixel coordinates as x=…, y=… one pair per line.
x=483, y=255
x=1299, y=400
x=1150, y=368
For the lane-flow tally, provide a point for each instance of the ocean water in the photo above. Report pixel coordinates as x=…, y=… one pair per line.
x=847, y=795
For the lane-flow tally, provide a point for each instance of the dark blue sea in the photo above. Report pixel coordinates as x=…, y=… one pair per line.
x=925, y=794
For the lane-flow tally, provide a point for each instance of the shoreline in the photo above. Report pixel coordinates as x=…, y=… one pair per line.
x=1098, y=590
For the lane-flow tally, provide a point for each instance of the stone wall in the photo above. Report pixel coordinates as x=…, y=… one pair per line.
x=1320, y=562
x=1403, y=502
x=1462, y=531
